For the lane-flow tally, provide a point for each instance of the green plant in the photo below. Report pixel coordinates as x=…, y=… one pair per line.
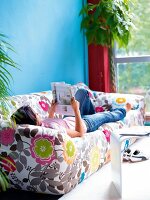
x=107, y=21
x=5, y=80
x=4, y=181
x=5, y=61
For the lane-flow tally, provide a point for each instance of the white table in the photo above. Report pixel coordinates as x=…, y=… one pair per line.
x=116, y=155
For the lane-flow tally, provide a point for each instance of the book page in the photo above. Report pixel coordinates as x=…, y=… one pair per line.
x=53, y=88
x=62, y=94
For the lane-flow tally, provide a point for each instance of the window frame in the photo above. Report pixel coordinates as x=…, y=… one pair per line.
x=127, y=59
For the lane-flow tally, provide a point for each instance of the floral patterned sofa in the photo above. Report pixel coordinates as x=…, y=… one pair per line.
x=45, y=160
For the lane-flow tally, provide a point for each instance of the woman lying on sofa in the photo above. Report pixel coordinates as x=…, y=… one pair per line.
x=85, y=119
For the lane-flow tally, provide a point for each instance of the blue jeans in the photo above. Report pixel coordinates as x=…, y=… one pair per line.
x=86, y=106
x=94, y=120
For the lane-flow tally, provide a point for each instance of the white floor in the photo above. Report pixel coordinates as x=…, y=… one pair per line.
x=136, y=181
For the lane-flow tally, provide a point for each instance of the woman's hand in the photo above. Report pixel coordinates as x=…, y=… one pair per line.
x=53, y=106
x=75, y=105
x=52, y=109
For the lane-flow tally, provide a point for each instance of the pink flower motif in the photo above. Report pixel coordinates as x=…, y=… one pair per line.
x=99, y=109
x=107, y=135
x=90, y=94
x=8, y=164
x=42, y=149
x=7, y=136
x=44, y=105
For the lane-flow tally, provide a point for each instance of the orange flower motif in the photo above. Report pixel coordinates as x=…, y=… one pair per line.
x=107, y=156
x=121, y=100
x=69, y=151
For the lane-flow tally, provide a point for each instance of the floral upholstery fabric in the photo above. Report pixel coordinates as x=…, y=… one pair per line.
x=134, y=104
x=45, y=160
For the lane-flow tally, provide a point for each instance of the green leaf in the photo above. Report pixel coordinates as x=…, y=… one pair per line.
x=114, y=18
x=5, y=62
x=6, y=72
x=4, y=182
x=84, y=10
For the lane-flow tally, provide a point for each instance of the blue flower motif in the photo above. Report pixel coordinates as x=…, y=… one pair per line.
x=82, y=177
x=126, y=144
x=135, y=107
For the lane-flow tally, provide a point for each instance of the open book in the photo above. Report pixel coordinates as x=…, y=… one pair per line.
x=62, y=94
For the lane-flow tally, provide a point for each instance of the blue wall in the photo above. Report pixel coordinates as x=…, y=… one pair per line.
x=46, y=36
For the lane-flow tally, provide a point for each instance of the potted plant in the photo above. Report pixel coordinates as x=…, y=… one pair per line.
x=5, y=79
x=105, y=22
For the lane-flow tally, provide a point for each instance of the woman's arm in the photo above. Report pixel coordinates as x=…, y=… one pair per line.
x=73, y=133
x=79, y=124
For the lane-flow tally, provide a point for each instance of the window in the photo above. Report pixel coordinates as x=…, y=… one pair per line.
x=133, y=65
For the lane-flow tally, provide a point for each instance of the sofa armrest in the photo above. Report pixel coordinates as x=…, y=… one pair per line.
x=134, y=104
x=49, y=161
x=115, y=100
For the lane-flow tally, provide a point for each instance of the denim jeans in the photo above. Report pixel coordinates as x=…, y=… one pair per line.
x=94, y=120
x=86, y=106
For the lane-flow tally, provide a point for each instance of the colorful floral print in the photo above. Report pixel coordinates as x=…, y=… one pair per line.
x=107, y=134
x=8, y=164
x=90, y=94
x=44, y=105
x=94, y=159
x=120, y=100
x=69, y=151
x=107, y=156
x=42, y=149
x=7, y=136
x=99, y=109
x=82, y=177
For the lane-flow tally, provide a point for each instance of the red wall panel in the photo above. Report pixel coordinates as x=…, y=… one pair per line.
x=99, y=73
